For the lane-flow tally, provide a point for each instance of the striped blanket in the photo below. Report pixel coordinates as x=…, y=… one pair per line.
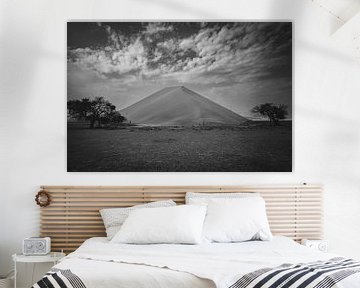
x=59, y=278
x=319, y=274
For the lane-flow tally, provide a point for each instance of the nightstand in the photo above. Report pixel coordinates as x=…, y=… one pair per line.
x=320, y=245
x=53, y=257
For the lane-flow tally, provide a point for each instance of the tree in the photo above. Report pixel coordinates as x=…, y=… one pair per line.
x=272, y=111
x=79, y=109
x=100, y=108
x=97, y=110
x=114, y=118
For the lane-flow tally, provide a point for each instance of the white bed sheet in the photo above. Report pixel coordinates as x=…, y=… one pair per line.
x=100, y=263
x=101, y=274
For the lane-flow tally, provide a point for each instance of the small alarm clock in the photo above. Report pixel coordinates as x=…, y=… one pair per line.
x=320, y=245
x=36, y=246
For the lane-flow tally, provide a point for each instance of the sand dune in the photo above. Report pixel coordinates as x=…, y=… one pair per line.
x=179, y=106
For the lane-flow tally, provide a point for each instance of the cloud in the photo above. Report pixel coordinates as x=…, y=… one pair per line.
x=115, y=39
x=187, y=43
x=218, y=54
x=170, y=45
x=156, y=27
x=109, y=62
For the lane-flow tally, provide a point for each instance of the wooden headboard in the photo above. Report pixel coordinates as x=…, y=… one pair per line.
x=73, y=215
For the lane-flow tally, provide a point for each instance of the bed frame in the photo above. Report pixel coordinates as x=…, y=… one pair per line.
x=73, y=215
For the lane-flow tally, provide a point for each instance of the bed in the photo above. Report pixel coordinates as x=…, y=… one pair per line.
x=99, y=263
x=294, y=211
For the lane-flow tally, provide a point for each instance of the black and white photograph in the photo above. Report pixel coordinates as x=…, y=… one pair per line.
x=179, y=96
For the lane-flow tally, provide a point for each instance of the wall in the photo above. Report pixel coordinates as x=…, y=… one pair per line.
x=33, y=99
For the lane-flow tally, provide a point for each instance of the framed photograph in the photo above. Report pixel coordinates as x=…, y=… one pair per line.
x=179, y=96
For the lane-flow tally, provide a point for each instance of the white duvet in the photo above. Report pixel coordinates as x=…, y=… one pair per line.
x=100, y=263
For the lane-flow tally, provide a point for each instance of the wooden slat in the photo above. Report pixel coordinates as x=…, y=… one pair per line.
x=73, y=216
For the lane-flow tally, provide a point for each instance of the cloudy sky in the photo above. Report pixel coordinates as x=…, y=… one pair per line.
x=237, y=65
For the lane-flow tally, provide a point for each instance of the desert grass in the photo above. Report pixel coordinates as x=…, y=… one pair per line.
x=250, y=148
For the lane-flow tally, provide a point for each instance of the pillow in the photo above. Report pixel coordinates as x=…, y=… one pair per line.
x=203, y=198
x=113, y=218
x=172, y=225
x=236, y=220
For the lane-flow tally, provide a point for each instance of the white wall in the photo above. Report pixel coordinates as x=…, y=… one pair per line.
x=33, y=100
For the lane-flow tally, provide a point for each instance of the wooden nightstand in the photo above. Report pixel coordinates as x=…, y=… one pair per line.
x=53, y=257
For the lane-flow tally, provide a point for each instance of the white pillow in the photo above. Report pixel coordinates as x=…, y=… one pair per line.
x=236, y=220
x=203, y=198
x=180, y=224
x=113, y=218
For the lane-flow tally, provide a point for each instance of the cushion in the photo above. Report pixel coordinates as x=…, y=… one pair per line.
x=203, y=198
x=113, y=218
x=236, y=220
x=172, y=225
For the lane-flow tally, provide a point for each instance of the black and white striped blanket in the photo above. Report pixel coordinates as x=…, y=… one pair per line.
x=57, y=278
x=320, y=274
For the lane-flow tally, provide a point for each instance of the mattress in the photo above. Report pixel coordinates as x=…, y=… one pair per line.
x=99, y=263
